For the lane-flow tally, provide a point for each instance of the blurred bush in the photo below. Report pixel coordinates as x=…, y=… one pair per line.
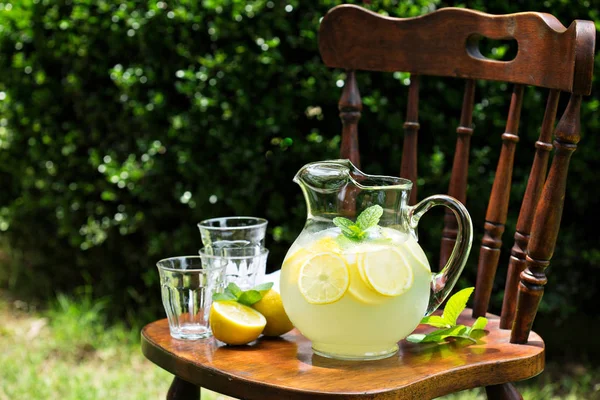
x=123, y=124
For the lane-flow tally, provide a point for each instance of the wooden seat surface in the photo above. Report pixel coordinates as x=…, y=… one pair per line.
x=287, y=368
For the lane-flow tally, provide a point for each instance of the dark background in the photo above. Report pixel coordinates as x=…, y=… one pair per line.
x=123, y=124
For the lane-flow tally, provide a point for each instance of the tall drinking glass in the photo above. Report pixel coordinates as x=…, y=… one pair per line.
x=187, y=285
x=232, y=232
x=245, y=266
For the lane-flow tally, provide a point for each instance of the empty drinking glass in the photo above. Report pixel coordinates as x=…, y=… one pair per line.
x=187, y=285
x=245, y=266
x=228, y=232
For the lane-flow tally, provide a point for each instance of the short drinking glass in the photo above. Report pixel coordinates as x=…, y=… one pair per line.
x=227, y=232
x=187, y=285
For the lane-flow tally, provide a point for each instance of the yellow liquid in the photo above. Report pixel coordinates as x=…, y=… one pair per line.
x=362, y=324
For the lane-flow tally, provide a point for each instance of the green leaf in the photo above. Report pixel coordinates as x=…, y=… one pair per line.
x=250, y=297
x=263, y=287
x=369, y=217
x=479, y=324
x=440, y=335
x=223, y=297
x=356, y=231
x=455, y=305
x=435, y=320
x=234, y=290
x=345, y=225
x=416, y=337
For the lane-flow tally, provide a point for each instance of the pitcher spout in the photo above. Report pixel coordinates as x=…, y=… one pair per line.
x=337, y=187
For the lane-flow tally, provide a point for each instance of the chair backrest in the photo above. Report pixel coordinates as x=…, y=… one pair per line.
x=445, y=43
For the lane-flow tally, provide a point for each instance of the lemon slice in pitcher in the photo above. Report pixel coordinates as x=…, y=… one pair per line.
x=387, y=271
x=323, y=279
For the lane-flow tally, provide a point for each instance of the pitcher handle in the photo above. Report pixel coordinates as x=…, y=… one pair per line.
x=443, y=282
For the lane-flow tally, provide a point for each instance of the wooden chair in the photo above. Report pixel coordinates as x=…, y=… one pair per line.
x=443, y=43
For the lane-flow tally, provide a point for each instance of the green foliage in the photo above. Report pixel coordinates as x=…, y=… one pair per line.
x=246, y=297
x=124, y=123
x=367, y=219
x=455, y=305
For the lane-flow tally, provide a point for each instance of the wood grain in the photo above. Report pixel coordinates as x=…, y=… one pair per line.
x=460, y=171
x=350, y=106
x=408, y=168
x=443, y=43
x=536, y=180
x=286, y=368
x=546, y=222
x=497, y=211
x=183, y=390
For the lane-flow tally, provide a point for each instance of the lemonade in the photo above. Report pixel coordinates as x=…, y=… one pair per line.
x=355, y=299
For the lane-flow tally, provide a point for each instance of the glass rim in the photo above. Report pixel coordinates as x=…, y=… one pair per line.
x=260, y=222
x=263, y=252
x=197, y=257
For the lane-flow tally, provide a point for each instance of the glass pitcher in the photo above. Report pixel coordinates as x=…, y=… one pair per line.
x=356, y=281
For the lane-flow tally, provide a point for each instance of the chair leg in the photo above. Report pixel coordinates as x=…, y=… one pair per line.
x=506, y=391
x=183, y=390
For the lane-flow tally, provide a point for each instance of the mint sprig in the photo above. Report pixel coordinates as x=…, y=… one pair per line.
x=367, y=219
x=447, y=322
x=247, y=297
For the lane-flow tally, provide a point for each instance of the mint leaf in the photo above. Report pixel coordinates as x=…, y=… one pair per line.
x=249, y=297
x=455, y=305
x=369, y=217
x=345, y=225
x=447, y=322
x=441, y=335
x=223, y=297
x=234, y=290
x=479, y=324
x=416, y=337
x=356, y=231
x=263, y=287
x=435, y=320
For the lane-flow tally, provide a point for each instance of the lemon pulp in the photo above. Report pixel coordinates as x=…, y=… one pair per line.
x=323, y=278
x=235, y=323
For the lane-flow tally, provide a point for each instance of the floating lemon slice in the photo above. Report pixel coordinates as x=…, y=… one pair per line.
x=235, y=323
x=412, y=247
x=361, y=290
x=324, y=279
x=386, y=271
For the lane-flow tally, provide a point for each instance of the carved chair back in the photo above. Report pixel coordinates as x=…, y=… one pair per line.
x=445, y=43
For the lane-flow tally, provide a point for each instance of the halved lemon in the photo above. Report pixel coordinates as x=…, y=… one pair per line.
x=386, y=271
x=235, y=323
x=323, y=279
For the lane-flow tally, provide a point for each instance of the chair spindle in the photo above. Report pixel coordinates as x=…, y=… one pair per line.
x=535, y=184
x=350, y=106
x=460, y=171
x=497, y=210
x=408, y=168
x=546, y=222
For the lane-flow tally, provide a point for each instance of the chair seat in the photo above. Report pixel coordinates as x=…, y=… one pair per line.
x=287, y=368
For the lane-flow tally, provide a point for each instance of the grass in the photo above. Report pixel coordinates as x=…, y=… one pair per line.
x=69, y=353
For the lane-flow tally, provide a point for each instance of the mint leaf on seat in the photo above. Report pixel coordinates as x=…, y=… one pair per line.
x=447, y=322
x=456, y=304
x=437, y=321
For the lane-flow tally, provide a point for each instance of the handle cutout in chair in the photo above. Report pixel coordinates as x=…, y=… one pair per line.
x=485, y=48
